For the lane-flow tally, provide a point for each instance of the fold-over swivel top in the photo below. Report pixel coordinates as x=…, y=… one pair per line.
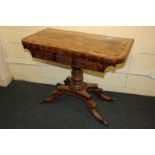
x=82, y=50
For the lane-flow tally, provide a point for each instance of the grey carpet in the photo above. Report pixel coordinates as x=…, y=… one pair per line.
x=20, y=108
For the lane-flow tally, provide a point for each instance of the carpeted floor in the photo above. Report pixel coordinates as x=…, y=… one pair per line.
x=20, y=109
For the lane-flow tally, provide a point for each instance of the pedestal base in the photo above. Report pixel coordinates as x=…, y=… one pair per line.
x=83, y=93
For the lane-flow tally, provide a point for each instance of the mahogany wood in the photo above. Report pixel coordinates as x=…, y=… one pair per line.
x=80, y=51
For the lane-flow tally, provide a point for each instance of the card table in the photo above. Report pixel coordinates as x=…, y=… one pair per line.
x=80, y=51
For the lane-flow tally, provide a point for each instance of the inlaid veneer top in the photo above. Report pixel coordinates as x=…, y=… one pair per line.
x=107, y=47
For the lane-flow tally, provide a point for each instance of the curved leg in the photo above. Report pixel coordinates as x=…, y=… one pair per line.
x=100, y=94
x=53, y=97
x=84, y=95
x=92, y=108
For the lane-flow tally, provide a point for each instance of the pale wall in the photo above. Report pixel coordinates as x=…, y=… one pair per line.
x=132, y=77
x=5, y=74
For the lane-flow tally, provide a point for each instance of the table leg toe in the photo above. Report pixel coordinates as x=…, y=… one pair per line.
x=92, y=108
x=100, y=94
x=53, y=97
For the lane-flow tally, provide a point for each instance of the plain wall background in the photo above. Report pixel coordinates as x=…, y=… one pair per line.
x=135, y=76
x=5, y=74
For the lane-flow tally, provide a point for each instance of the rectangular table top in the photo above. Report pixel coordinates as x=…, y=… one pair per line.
x=106, y=48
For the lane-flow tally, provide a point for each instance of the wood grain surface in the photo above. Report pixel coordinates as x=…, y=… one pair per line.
x=83, y=50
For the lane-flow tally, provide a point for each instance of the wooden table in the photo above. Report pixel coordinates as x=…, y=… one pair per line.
x=80, y=51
